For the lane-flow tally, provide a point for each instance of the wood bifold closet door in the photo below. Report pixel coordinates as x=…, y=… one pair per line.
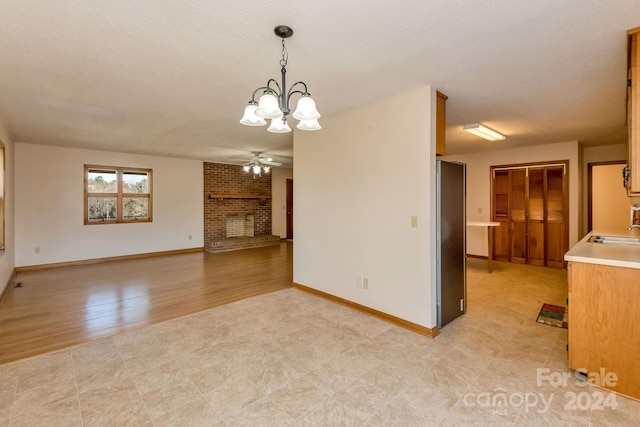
x=530, y=203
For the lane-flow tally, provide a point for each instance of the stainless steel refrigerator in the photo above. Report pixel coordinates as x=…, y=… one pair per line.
x=451, y=241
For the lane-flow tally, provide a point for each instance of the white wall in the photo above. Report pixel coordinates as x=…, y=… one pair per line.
x=7, y=259
x=599, y=153
x=357, y=182
x=610, y=203
x=279, y=200
x=49, y=204
x=479, y=184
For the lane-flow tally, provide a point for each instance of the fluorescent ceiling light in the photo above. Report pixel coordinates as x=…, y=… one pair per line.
x=484, y=132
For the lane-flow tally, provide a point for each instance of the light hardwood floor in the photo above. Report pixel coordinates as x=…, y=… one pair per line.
x=58, y=308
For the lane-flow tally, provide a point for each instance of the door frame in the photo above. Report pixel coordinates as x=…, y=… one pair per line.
x=289, y=208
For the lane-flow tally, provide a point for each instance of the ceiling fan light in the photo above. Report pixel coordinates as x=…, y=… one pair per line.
x=268, y=106
x=256, y=169
x=278, y=125
x=306, y=109
x=266, y=169
x=249, y=117
x=246, y=168
x=309, y=125
x=484, y=132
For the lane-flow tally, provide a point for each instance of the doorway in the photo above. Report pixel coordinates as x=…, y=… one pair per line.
x=608, y=202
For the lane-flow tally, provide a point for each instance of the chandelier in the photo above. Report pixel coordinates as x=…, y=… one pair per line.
x=274, y=102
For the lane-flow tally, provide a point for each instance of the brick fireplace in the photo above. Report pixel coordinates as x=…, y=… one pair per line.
x=237, y=208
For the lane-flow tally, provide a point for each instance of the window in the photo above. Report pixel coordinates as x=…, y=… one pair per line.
x=116, y=195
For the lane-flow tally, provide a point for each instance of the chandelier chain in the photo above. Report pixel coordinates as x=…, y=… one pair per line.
x=285, y=55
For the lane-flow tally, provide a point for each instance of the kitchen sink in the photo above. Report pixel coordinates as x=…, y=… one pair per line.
x=615, y=240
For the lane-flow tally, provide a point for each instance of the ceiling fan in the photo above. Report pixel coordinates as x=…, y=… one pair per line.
x=259, y=164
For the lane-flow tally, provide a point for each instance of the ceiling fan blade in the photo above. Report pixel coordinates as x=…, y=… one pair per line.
x=271, y=163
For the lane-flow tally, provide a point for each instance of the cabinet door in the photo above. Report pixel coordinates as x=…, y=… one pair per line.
x=633, y=115
x=604, y=323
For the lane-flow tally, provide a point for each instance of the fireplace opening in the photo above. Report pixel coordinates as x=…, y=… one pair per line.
x=240, y=225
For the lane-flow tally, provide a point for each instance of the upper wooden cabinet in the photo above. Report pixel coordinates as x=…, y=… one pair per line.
x=441, y=122
x=633, y=112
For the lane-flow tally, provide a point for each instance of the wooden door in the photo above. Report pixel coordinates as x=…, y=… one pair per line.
x=518, y=215
x=500, y=213
x=530, y=201
x=556, y=216
x=536, y=217
x=289, y=209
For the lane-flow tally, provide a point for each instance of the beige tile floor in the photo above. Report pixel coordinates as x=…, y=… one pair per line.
x=291, y=358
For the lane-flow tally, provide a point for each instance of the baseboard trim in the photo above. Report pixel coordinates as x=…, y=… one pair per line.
x=414, y=327
x=477, y=256
x=106, y=259
x=8, y=286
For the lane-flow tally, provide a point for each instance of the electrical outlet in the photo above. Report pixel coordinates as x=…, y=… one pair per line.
x=190, y=237
x=36, y=250
x=359, y=281
x=365, y=282
x=479, y=210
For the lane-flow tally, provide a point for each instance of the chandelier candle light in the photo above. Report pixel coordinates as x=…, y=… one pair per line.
x=274, y=102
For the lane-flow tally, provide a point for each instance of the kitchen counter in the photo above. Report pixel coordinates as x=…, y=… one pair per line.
x=488, y=225
x=604, y=321
x=604, y=254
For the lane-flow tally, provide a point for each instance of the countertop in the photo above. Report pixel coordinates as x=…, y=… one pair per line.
x=613, y=255
x=483, y=223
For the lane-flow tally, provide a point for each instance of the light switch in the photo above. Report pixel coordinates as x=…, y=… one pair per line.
x=414, y=222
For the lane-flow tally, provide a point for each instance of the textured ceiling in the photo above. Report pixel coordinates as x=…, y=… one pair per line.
x=172, y=77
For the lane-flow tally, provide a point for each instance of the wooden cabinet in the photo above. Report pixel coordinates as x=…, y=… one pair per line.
x=441, y=122
x=604, y=323
x=633, y=112
x=529, y=202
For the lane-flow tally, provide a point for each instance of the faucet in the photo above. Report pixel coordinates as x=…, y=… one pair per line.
x=635, y=217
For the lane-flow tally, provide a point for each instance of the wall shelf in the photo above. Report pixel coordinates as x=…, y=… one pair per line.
x=238, y=196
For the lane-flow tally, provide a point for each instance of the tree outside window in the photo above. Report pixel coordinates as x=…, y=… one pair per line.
x=117, y=195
